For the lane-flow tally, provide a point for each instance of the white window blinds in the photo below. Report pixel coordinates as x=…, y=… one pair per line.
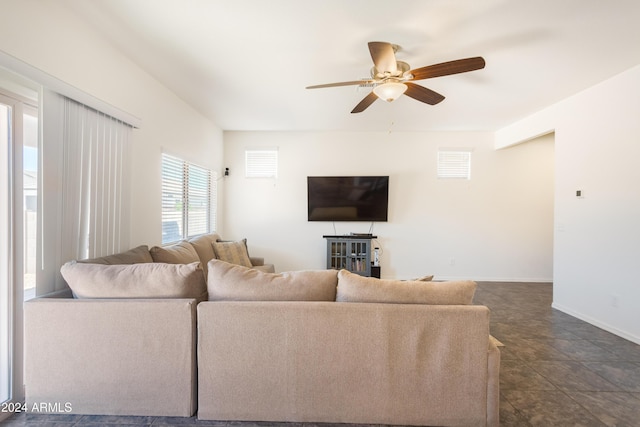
x=454, y=163
x=172, y=198
x=187, y=194
x=261, y=163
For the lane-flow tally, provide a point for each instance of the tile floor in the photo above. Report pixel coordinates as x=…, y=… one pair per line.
x=556, y=370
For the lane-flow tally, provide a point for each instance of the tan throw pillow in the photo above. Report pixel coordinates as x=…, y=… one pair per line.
x=204, y=248
x=355, y=288
x=232, y=252
x=132, y=256
x=148, y=280
x=229, y=282
x=180, y=253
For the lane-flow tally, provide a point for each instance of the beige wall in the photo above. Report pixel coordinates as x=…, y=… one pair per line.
x=497, y=226
x=596, y=248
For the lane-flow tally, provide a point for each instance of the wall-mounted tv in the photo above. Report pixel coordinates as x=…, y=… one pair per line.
x=347, y=198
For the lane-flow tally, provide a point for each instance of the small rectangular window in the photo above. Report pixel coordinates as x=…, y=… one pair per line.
x=188, y=199
x=261, y=163
x=454, y=164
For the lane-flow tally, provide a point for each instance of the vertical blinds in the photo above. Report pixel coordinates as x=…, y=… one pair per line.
x=95, y=183
x=186, y=199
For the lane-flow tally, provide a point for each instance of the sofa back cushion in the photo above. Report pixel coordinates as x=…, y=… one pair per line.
x=230, y=282
x=355, y=288
x=180, y=253
x=132, y=256
x=203, y=245
x=147, y=280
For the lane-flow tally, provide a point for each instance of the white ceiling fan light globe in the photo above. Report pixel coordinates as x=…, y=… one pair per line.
x=390, y=91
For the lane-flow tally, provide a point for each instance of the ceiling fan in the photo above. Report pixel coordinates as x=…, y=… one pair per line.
x=391, y=78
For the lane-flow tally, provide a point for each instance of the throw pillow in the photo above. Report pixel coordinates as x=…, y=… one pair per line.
x=232, y=252
x=423, y=278
x=148, y=280
x=204, y=248
x=180, y=253
x=355, y=288
x=132, y=256
x=230, y=282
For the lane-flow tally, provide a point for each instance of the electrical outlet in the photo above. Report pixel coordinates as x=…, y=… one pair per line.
x=452, y=261
x=615, y=300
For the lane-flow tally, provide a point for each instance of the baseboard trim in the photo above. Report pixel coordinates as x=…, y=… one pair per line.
x=596, y=323
x=532, y=280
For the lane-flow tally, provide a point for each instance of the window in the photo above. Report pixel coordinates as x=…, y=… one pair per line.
x=261, y=163
x=187, y=194
x=454, y=163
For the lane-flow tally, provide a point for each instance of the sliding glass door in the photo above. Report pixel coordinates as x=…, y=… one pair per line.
x=6, y=290
x=18, y=232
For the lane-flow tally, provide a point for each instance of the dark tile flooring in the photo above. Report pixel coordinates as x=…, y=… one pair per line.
x=556, y=370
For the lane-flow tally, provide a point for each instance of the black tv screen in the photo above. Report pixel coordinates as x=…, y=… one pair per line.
x=347, y=198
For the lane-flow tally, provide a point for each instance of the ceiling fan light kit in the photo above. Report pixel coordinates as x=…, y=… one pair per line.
x=390, y=91
x=391, y=78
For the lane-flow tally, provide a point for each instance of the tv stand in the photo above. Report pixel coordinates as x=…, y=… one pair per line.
x=351, y=252
x=362, y=235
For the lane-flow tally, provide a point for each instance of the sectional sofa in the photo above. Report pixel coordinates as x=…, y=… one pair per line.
x=246, y=344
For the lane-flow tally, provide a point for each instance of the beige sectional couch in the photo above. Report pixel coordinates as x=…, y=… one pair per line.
x=110, y=350
x=304, y=346
x=111, y=356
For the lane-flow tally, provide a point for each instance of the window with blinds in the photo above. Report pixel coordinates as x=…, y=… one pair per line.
x=188, y=192
x=261, y=163
x=454, y=164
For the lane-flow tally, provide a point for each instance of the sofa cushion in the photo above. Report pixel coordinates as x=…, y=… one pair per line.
x=148, y=280
x=230, y=282
x=180, y=253
x=355, y=288
x=132, y=256
x=203, y=245
x=232, y=252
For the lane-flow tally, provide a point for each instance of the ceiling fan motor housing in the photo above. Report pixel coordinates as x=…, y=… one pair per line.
x=402, y=68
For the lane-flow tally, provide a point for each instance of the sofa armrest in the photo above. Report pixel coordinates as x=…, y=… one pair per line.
x=493, y=385
x=111, y=356
x=256, y=261
x=258, y=264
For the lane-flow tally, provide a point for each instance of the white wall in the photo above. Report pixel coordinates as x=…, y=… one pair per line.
x=597, y=238
x=51, y=38
x=497, y=226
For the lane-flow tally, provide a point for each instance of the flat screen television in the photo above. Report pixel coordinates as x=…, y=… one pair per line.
x=347, y=198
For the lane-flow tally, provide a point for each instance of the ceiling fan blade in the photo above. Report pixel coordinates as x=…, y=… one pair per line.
x=423, y=94
x=364, y=104
x=384, y=58
x=447, y=68
x=351, y=83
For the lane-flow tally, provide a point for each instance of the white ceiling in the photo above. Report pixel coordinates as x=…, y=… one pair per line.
x=245, y=63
